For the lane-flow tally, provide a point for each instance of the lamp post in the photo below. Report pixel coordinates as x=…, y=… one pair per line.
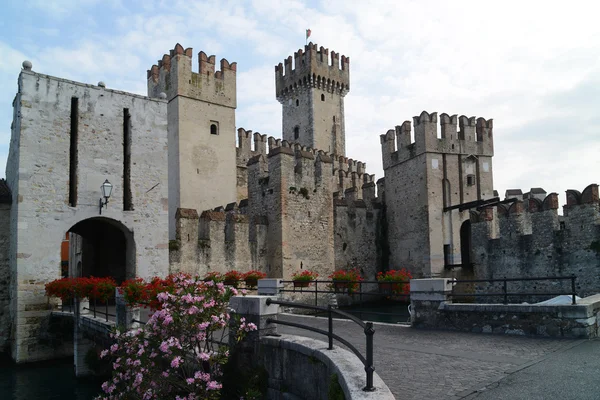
x=106, y=189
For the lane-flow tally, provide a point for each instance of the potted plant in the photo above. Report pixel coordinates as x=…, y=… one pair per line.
x=395, y=281
x=251, y=277
x=304, y=278
x=345, y=280
x=232, y=278
x=213, y=276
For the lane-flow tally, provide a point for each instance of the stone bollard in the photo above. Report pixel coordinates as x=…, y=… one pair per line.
x=125, y=314
x=269, y=287
x=255, y=310
x=426, y=297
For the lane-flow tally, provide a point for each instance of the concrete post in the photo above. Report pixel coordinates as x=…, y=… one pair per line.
x=426, y=297
x=269, y=287
x=81, y=345
x=125, y=314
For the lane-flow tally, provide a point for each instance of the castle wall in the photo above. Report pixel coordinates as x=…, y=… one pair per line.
x=292, y=190
x=201, y=129
x=358, y=237
x=311, y=89
x=532, y=240
x=38, y=173
x=5, y=323
x=423, y=177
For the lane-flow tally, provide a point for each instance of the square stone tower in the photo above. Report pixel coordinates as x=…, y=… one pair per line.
x=312, y=95
x=424, y=178
x=201, y=113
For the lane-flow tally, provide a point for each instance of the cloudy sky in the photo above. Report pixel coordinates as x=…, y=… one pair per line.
x=532, y=66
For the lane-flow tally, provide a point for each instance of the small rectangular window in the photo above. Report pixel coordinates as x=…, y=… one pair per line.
x=470, y=180
x=214, y=128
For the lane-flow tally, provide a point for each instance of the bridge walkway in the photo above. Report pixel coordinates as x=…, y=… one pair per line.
x=421, y=364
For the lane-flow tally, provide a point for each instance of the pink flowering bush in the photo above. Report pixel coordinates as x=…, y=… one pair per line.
x=176, y=355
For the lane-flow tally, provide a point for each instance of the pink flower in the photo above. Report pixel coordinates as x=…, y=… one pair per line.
x=176, y=361
x=103, y=353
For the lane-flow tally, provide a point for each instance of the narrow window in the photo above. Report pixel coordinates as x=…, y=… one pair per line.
x=214, y=128
x=127, y=201
x=73, y=152
x=470, y=180
x=322, y=97
x=296, y=132
x=297, y=102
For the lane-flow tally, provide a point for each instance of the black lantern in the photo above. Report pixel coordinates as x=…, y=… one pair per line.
x=106, y=189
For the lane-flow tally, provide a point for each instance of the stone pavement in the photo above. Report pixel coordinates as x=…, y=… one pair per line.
x=421, y=364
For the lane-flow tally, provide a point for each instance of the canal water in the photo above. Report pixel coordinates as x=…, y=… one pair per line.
x=44, y=381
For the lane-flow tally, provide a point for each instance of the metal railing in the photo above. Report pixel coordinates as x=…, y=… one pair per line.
x=505, y=293
x=384, y=289
x=367, y=327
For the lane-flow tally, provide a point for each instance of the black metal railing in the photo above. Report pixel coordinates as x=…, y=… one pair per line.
x=355, y=288
x=506, y=294
x=367, y=327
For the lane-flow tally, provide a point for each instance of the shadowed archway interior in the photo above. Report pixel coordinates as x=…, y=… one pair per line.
x=102, y=247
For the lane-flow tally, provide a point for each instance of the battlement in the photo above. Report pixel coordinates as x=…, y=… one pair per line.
x=458, y=135
x=173, y=76
x=312, y=68
x=343, y=172
x=532, y=214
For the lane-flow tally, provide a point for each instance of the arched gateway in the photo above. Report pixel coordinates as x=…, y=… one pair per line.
x=100, y=247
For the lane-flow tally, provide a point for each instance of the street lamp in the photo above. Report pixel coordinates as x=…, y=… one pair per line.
x=106, y=189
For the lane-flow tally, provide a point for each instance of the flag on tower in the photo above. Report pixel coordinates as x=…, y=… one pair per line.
x=307, y=33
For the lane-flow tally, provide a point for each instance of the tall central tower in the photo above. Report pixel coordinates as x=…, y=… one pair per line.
x=312, y=95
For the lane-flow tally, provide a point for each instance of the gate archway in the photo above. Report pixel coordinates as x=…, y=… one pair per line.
x=101, y=247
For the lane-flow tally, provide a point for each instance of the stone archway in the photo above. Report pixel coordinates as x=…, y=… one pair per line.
x=100, y=247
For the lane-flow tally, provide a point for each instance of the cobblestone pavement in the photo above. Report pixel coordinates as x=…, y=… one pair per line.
x=421, y=364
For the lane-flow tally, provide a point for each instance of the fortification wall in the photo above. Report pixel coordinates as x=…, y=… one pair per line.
x=291, y=188
x=217, y=241
x=5, y=323
x=201, y=116
x=345, y=172
x=424, y=176
x=48, y=112
x=311, y=87
x=359, y=233
x=529, y=239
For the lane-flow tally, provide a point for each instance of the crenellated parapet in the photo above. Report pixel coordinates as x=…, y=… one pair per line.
x=458, y=135
x=173, y=75
x=312, y=68
x=532, y=214
x=529, y=239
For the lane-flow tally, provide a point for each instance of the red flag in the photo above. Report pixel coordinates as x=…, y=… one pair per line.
x=307, y=33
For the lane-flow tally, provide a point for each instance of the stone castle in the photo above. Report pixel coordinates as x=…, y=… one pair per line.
x=186, y=197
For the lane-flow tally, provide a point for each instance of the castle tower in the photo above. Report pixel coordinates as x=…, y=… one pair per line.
x=424, y=179
x=201, y=129
x=311, y=92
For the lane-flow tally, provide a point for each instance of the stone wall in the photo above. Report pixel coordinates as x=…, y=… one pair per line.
x=432, y=309
x=292, y=191
x=198, y=156
x=311, y=89
x=530, y=239
x=359, y=236
x=426, y=174
x=38, y=176
x=5, y=322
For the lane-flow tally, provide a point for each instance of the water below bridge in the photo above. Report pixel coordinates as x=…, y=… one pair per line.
x=45, y=381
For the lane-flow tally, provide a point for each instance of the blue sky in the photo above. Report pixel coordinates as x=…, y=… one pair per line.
x=534, y=66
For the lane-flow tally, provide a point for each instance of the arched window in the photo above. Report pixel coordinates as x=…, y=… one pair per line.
x=214, y=128
x=297, y=102
x=296, y=132
x=322, y=97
